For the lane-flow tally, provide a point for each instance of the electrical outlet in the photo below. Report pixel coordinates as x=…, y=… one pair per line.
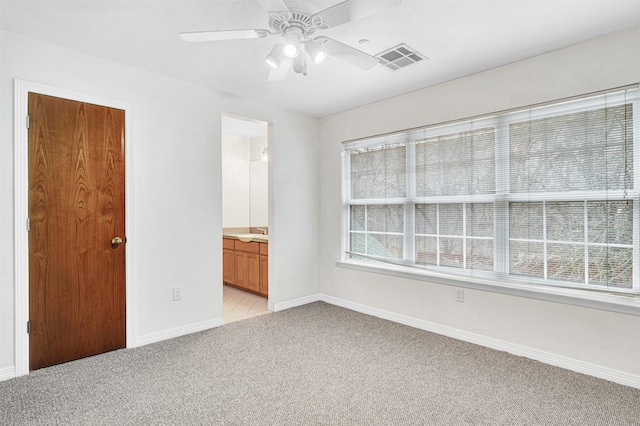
x=177, y=293
x=460, y=295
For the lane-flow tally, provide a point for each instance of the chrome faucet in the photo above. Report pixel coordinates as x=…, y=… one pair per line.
x=263, y=230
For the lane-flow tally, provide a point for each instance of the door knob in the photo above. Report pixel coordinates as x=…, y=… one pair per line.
x=116, y=242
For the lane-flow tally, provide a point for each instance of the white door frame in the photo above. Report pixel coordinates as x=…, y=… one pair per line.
x=22, y=89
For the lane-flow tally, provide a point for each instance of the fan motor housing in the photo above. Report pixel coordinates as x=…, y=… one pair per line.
x=281, y=22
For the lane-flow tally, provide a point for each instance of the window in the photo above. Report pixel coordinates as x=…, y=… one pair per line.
x=545, y=195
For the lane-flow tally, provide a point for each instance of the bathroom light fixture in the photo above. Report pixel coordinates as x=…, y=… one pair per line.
x=265, y=155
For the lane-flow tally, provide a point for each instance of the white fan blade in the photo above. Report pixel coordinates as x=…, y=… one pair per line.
x=348, y=54
x=350, y=10
x=281, y=72
x=223, y=35
x=273, y=5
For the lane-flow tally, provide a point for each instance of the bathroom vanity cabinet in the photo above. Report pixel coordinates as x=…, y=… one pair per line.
x=246, y=265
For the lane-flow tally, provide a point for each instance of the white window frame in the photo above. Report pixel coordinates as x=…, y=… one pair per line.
x=499, y=280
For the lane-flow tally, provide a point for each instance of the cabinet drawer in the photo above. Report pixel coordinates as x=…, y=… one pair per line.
x=247, y=247
x=264, y=248
x=227, y=243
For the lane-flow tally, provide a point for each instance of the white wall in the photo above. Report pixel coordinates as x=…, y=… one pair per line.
x=605, y=339
x=258, y=143
x=259, y=190
x=177, y=178
x=245, y=182
x=259, y=182
x=236, y=204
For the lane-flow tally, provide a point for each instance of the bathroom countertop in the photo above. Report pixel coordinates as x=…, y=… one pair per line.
x=256, y=238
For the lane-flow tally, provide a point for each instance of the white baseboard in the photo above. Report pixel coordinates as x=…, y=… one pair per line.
x=7, y=373
x=178, y=331
x=275, y=307
x=605, y=373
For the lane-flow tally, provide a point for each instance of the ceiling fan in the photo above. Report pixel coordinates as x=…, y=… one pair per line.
x=297, y=25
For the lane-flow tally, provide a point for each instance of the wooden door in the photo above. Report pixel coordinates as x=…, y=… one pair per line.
x=76, y=209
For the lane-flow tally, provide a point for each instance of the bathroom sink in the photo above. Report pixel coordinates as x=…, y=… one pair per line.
x=246, y=238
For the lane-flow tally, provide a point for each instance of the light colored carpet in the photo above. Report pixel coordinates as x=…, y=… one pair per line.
x=314, y=365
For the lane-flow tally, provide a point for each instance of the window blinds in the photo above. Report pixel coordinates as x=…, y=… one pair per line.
x=572, y=178
x=545, y=194
x=379, y=186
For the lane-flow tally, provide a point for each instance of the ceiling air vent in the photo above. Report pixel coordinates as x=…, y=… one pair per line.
x=399, y=57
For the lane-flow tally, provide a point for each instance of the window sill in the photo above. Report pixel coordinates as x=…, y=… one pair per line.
x=625, y=304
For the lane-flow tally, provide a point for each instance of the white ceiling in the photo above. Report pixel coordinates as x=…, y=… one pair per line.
x=459, y=38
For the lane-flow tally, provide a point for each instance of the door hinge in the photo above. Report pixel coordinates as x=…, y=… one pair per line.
x=28, y=327
x=28, y=224
x=28, y=121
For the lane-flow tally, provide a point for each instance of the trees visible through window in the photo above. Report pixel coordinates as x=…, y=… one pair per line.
x=545, y=195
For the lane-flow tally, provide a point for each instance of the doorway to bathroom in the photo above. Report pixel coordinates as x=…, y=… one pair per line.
x=245, y=217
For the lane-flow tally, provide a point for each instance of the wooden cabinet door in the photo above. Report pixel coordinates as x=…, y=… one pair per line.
x=228, y=266
x=264, y=275
x=253, y=272
x=241, y=269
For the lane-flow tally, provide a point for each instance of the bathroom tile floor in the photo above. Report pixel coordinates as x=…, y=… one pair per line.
x=238, y=305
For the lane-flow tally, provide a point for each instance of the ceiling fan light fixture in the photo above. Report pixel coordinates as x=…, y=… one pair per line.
x=316, y=51
x=300, y=65
x=320, y=56
x=297, y=26
x=290, y=51
x=275, y=56
x=291, y=46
